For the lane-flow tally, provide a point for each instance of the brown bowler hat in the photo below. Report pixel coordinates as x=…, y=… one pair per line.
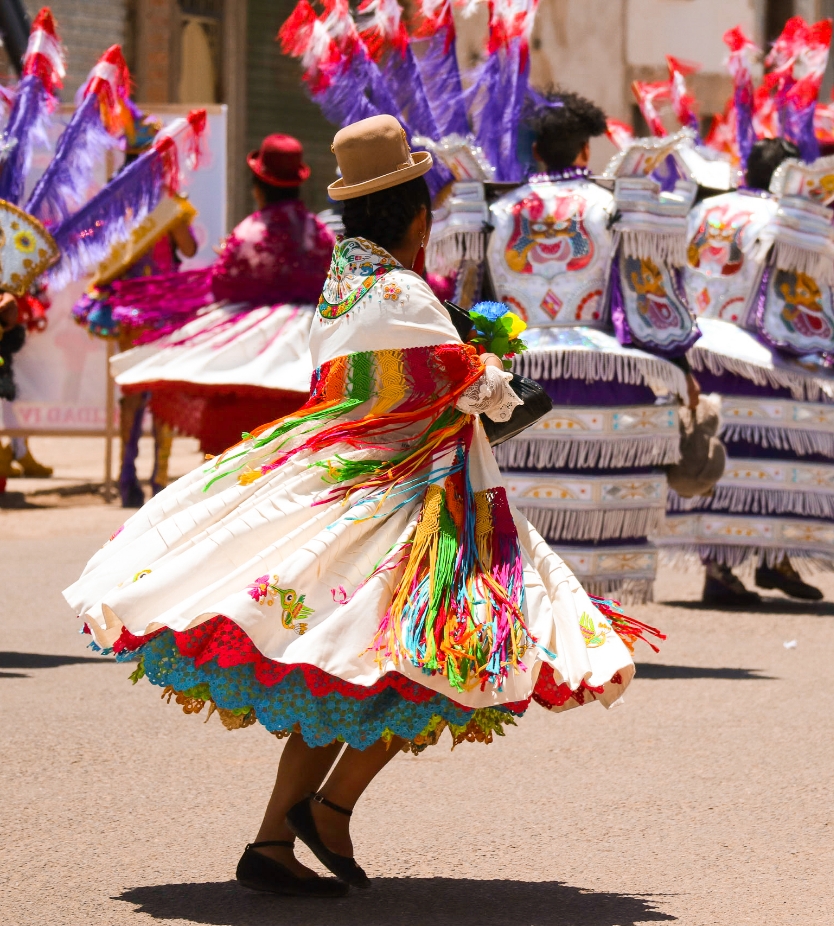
x=374, y=155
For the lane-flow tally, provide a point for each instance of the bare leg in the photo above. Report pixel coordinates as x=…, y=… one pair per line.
x=356, y=769
x=300, y=772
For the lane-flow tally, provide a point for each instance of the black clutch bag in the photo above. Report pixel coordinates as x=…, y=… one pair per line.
x=536, y=402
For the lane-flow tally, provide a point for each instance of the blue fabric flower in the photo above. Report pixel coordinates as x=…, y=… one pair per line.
x=491, y=310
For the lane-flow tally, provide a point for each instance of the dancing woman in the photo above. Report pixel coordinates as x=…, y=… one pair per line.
x=352, y=576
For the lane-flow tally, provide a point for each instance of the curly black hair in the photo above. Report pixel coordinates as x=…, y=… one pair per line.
x=765, y=156
x=563, y=125
x=383, y=217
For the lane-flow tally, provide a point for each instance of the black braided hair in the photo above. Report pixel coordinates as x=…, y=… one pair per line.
x=383, y=217
x=563, y=126
x=765, y=156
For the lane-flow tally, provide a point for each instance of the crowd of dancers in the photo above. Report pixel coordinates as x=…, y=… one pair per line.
x=362, y=562
x=686, y=286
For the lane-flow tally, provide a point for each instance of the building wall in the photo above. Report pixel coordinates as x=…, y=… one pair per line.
x=87, y=28
x=578, y=45
x=276, y=101
x=688, y=29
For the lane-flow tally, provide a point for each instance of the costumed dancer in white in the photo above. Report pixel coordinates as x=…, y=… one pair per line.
x=759, y=274
x=588, y=475
x=775, y=501
x=352, y=576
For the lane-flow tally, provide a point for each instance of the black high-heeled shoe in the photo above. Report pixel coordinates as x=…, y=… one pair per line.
x=258, y=872
x=300, y=821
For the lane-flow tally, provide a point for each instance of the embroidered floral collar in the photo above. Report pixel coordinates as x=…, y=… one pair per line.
x=356, y=266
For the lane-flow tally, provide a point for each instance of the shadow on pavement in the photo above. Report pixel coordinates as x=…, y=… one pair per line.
x=41, y=661
x=15, y=500
x=398, y=902
x=766, y=606
x=656, y=670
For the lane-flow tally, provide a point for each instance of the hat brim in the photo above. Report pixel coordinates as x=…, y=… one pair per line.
x=423, y=163
x=253, y=160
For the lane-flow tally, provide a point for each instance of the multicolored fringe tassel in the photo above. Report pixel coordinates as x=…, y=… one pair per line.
x=628, y=629
x=457, y=609
x=402, y=388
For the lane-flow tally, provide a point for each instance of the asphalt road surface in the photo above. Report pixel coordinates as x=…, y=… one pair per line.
x=706, y=799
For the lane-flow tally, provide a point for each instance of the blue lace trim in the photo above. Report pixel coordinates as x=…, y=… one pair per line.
x=280, y=707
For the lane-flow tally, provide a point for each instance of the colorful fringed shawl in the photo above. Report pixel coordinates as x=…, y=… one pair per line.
x=457, y=605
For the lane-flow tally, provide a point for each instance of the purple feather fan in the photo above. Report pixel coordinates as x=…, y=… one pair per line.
x=86, y=237
x=64, y=185
x=26, y=127
x=437, y=64
x=495, y=102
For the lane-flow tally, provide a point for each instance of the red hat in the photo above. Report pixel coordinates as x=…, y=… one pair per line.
x=278, y=161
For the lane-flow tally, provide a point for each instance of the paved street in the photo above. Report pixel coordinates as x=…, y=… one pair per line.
x=706, y=799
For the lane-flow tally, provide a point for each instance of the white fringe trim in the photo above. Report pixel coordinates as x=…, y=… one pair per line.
x=800, y=440
x=445, y=254
x=735, y=556
x=659, y=375
x=556, y=452
x=746, y=500
x=802, y=386
x=659, y=247
x=557, y=524
x=626, y=591
x=802, y=260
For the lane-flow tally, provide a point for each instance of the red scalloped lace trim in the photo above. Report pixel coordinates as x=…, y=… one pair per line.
x=223, y=641
x=549, y=694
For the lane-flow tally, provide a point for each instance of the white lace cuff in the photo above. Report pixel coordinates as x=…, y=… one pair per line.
x=491, y=395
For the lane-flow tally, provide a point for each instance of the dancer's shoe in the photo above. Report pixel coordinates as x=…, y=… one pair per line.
x=787, y=580
x=724, y=589
x=300, y=820
x=261, y=873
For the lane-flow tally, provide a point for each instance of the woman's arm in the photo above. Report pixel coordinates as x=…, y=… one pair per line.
x=184, y=239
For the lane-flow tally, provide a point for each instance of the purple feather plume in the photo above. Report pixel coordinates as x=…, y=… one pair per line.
x=407, y=89
x=64, y=186
x=495, y=102
x=798, y=127
x=85, y=239
x=26, y=127
x=486, y=111
x=344, y=101
x=438, y=66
